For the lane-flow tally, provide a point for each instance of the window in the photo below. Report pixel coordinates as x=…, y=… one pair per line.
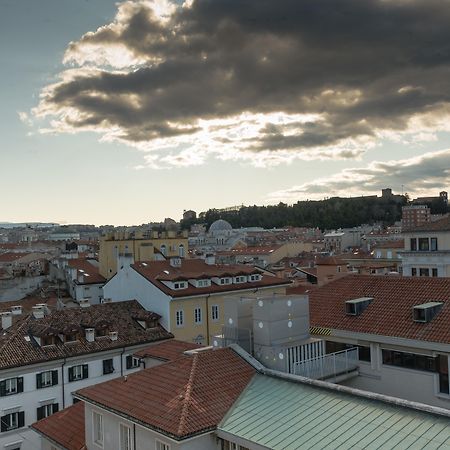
x=414, y=272
x=181, y=251
x=240, y=279
x=46, y=379
x=424, y=244
x=97, y=420
x=198, y=315
x=12, y=421
x=434, y=272
x=215, y=312
x=413, y=242
x=108, y=366
x=179, y=317
x=255, y=277
x=78, y=372
x=132, y=362
x=163, y=250
x=434, y=245
x=363, y=351
x=47, y=410
x=11, y=386
x=202, y=283
x=180, y=285
x=225, y=281
x=443, y=374
x=424, y=272
x=124, y=437
x=409, y=360
x=162, y=446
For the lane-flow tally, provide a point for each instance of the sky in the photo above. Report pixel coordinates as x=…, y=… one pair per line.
x=133, y=111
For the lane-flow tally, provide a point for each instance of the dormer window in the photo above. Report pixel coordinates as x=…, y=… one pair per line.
x=72, y=337
x=48, y=340
x=180, y=285
x=356, y=306
x=255, y=277
x=240, y=279
x=426, y=312
x=225, y=280
x=203, y=283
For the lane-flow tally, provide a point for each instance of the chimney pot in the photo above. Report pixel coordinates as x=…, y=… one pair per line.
x=6, y=320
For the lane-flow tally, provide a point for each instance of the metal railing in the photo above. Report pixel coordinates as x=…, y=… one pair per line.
x=328, y=366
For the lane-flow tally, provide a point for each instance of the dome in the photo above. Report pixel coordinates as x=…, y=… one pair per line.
x=220, y=225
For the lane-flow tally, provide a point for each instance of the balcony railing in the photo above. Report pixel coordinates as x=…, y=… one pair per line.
x=329, y=366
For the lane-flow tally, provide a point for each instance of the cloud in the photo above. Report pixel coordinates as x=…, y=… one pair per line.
x=257, y=80
x=421, y=175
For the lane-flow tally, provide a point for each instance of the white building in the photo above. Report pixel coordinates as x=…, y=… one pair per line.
x=47, y=355
x=400, y=325
x=427, y=250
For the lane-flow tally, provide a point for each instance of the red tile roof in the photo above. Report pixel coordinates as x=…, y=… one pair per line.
x=65, y=428
x=167, y=351
x=391, y=244
x=183, y=398
x=89, y=271
x=255, y=250
x=10, y=257
x=391, y=311
x=156, y=271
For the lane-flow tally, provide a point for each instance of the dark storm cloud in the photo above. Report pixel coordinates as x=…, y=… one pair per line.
x=359, y=68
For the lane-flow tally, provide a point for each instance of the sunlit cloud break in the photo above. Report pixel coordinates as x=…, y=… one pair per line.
x=421, y=175
x=256, y=81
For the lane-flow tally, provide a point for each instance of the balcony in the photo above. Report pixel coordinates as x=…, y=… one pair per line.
x=333, y=367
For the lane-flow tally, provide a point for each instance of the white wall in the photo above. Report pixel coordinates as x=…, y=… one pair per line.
x=31, y=398
x=145, y=438
x=127, y=284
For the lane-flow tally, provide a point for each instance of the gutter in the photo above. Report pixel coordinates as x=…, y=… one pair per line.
x=62, y=384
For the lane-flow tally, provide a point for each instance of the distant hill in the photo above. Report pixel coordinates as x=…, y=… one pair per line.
x=326, y=214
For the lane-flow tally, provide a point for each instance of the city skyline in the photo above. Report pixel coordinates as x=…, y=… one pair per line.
x=130, y=112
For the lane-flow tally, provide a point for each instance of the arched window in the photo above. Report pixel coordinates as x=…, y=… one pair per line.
x=181, y=251
x=163, y=250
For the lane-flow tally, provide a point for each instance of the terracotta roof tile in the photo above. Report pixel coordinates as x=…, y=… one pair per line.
x=18, y=347
x=66, y=427
x=188, y=396
x=167, y=351
x=90, y=272
x=156, y=271
x=391, y=311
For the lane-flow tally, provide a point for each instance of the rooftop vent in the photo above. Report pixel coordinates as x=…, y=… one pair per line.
x=356, y=306
x=425, y=313
x=90, y=334
x=16, y=310
x=113, y=335
x=38, y=311
x=6, y=320
x=84, y=303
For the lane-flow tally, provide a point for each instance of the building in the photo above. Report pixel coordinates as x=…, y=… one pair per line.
x=84, y=281
x=339, y=240
x=188, y=294
x=143, y=247
x=415, y=215
x=224, y=399
x=48, y=354
x=400, y=326
x=427, y=250
x=263, y=255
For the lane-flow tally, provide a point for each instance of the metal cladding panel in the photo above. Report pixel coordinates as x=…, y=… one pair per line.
x=238, y=312
x=279, y=307
x=280, y=414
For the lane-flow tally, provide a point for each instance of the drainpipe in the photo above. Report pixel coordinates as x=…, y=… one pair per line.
x=62, y=383
x=207, y=319
x=134, y=436
x=121, y=361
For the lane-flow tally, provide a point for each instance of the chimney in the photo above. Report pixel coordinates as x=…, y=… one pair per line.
x=90, y=334
x=38, y=312
x=6, y=320
x=16, y=310
x=113, y=335
x=175, y=261
x=84, y=303
x=210, y=259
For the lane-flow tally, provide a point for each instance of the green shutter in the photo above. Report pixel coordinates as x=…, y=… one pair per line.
x=55, y=408
x=40, y=413
x=70, y=373
x=20, y=384
x=2, y=388
x=21, y=419
x=129, y=361
x=85, y=371
x=38, y=380
x=54, y=377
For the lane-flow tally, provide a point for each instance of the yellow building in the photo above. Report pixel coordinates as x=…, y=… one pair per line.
x=153, y=246
x=189, y=294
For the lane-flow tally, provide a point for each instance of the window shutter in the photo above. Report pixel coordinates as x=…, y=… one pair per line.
x=70, y=373
x=54, y=377
x=55, y=407
x=20, y=384
x=2, y=388
x=129, y=361
x=40, y=413
x=38, y=380
x=105, y=366
x=85, y=371
x=3, y=424
x=21, y=419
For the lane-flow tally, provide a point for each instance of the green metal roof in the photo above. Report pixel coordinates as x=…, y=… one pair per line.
x=278, y=414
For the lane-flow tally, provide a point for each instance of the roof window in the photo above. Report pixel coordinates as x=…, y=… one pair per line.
x=356, y=306
x=425, y=313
